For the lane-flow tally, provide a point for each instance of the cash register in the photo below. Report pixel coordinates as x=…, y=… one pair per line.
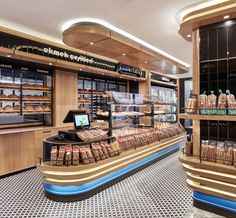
x=81, y=121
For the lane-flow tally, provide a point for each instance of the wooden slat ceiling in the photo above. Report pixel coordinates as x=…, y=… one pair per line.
x=113, y=45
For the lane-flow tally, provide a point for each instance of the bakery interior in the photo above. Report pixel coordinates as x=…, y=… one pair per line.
x=104, y=116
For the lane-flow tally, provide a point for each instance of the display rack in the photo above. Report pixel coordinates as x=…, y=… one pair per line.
x=210, y=166
x=26, y=94
x=91, y=88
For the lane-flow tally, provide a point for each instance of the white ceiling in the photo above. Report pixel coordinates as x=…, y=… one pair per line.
x=154, y=21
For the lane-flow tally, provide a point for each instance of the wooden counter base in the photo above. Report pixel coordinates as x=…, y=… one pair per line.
x=213, y=184
x=77, y=183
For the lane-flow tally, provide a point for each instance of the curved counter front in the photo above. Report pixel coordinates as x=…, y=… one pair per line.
x=70, y=183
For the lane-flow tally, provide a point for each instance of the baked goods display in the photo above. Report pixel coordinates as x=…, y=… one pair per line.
x=91, y=135
x=12, y=97
x=74, y=155
x=84, y=100
x=35, y=98
x=191, y=104
x=129, y=138
x=35, y=87
x=220, y=152
x=9, y=86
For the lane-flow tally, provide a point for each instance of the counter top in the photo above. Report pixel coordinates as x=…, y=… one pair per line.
x=31, y=129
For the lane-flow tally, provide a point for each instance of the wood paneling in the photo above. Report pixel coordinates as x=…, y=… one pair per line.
x=196, y=89
x=210, y=178
x=115, y=45
x=65, y=95
x=17, y=152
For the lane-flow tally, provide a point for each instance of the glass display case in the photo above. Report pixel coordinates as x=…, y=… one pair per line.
x=91, y=91
x=26, y=95
x=165, y=100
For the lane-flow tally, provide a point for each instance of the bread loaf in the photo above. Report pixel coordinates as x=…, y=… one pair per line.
x=53, y=157
x=61, y=155
x=75, y=155
x=68, y=157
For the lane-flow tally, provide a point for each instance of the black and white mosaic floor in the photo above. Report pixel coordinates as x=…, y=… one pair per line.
x=157, y=191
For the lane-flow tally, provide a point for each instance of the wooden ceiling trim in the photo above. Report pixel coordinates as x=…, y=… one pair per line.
x=117, y=47
x=206, y=16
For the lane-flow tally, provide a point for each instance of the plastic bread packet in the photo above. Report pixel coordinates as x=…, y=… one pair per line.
x=230, y=99
x=211, y=100
x=202, y=100
x=220, y=152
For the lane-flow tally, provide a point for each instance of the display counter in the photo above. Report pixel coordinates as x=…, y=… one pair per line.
x=25, y=145
x=68, y=183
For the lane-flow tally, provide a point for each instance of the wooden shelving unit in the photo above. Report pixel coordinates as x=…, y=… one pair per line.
x=208, y=117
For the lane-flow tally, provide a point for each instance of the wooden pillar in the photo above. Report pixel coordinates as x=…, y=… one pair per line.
x=65, y=95
x=196, y=89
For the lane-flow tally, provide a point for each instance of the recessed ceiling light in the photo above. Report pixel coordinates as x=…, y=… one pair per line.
x=189, y=36
x=50, y=63
x=80, y=69
x=123, y=54
x=226, y=17
x=69, y=23
x=91, y=43
x=228, y=23
x=8, y=56
x=145, y=62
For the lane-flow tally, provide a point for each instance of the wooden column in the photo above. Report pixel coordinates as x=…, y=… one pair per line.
x=196, y=89
x=65, y=95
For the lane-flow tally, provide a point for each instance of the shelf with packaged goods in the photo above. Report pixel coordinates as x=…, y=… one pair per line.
x=207, y=117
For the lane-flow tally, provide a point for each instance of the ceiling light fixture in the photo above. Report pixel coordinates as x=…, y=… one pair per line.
x=226, y=17
x=68, y=24
x=145, y=62
x=91, y=43
x=189, y=36
x=80, y=69
x=123, y=54
x=8, y=56
x=50, y=63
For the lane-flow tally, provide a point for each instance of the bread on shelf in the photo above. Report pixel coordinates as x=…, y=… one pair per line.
x=38, y=108
x=9, y=86
x=28, y=108
x=8, y=108
x=46, y=108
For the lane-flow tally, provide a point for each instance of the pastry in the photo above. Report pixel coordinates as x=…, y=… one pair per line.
x=53, y=157
x=46, y=108
x=61, y=155
x=17, y=108
x=28, y=108
x=83, y=155
x=75, y=155
x=38, y=108
x=2, y=96
x=68, y=157
x=8, y=108
x=13, y=96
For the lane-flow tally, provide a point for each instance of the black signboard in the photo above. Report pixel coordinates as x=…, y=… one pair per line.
x=129, y=70
x=29, y=46
x=162, y=78
x=19, y=65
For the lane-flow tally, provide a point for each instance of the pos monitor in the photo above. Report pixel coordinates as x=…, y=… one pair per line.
x=80, y=118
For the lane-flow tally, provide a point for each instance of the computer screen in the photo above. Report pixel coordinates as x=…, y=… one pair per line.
x=81, y=120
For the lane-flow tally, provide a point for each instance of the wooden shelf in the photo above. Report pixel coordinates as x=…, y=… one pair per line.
x=163, y=83
x=207, y=117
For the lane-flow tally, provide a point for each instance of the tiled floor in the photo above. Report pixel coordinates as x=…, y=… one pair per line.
x=157, y=191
